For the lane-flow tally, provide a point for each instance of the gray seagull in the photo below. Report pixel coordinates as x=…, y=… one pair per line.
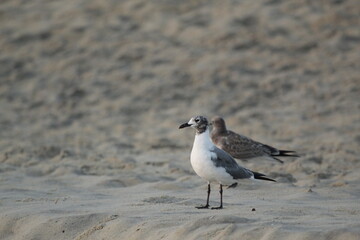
x=242, y=147
x=213, y=164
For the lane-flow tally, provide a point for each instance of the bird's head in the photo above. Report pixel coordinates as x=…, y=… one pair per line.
x=199, y=123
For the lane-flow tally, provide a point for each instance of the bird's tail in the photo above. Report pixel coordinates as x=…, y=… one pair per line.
x=261, y=176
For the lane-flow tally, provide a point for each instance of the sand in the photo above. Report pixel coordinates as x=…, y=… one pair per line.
x=92, y=94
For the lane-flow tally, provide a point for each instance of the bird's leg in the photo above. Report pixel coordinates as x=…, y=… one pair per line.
x=207, y=201
x=221, y=199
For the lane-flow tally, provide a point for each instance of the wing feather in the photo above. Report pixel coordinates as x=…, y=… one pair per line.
x=224, y=160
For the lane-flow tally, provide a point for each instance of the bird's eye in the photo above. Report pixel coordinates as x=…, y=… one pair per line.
x=197, y=120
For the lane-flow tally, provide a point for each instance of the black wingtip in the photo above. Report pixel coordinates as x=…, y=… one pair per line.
x=280, y=161
x=286, y=153
x=261, y=176
x=266, y=179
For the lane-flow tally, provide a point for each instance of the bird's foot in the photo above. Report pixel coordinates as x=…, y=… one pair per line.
x=219, y=207
x=203, y=206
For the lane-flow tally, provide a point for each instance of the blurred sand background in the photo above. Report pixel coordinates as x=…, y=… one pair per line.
x=92, y=94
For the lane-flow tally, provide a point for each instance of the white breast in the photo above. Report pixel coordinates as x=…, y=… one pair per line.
x=202, y=163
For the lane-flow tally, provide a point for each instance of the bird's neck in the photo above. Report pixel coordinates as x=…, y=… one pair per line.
x=219, y=130
x=203, y=140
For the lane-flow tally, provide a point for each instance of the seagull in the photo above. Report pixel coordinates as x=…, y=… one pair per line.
x=242, y=147
x=213, y=164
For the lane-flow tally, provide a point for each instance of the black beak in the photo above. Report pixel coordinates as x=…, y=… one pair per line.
x=184, y=125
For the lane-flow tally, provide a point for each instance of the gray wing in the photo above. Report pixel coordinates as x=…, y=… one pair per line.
x=242, y=147
x=224, y=160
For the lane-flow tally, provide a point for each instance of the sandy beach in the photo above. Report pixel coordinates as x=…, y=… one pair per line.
x=92, y=94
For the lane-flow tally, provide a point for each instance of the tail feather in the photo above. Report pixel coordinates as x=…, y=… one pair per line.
x=261, y=176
